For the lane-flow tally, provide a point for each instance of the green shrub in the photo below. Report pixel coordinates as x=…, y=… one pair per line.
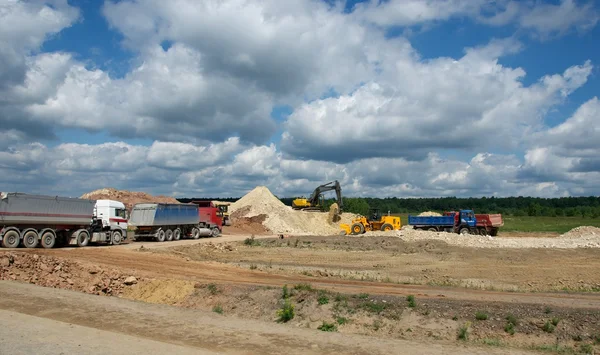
x=341, y=320
x=286, y=313
x=555, y=321
x=548, y=327
x=509, y=328
x=218, y=309
x=304, y=287
x=463, y=332
x=327, y=327
x=481, y=315
x=411, y=301
x=212, y=288
x=322, y=298
x=285, y=294
x=363, y=296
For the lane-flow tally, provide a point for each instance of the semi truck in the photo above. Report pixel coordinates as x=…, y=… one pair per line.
x=32, y=220
x=173, y=221
x=462, y=222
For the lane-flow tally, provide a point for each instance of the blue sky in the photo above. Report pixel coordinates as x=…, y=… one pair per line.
x=207, y=98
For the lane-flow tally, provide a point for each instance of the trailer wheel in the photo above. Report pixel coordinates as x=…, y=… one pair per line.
x=11, y=239
x=160, y=235
x=116, y=238
x=432, y=229
x=169, y=235
x=48, y=240
x=195, y=233
x=83, y=238
x=483, y=231
x=177, y=234
x=31, y=239
x=464, y=231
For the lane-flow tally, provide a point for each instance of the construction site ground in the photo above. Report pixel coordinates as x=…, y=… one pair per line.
x=465, y=298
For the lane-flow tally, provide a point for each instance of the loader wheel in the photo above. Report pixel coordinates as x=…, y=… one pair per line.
x=169, y=235
x=31, y=239
x=11, y=239
x=48, y=240
x=177, y=234
x=160, y=235
x=357, y=228
x=387, y=227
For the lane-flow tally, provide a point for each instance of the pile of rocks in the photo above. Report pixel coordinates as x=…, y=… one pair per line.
x=49, y=271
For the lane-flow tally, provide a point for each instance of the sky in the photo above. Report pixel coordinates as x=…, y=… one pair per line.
x=405, y=98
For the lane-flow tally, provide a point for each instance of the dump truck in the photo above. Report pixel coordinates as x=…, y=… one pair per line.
x=375, y=222
x=33, y=220
x=171, y=221
x=462, y=222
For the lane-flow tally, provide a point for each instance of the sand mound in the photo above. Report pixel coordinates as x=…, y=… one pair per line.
x=429, y=214
x=582, y=231
x=129, y=198
x=160, y=291
x=282, y=219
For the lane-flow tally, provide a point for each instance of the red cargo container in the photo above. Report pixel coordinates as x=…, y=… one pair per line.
x=209, y=215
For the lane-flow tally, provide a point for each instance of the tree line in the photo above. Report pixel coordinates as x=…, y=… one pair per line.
x=512, y=206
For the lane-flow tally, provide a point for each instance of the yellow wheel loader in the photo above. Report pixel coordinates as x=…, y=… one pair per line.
x=375, y=222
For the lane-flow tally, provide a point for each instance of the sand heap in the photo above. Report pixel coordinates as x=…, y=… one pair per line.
x=582, y=231
x=429, y=214
x=282, y=219
x=129, y=198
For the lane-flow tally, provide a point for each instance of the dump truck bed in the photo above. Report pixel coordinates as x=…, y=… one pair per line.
x=431, y=220
x=489, y=220
x=20, y=208
x=163, y=214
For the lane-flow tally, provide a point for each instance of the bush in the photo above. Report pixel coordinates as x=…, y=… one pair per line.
x=341, y=320
x=251, y=241
x=322, y=298
x=411, y=301
x=285, y=294
x=374, y=307
x=555, y=321
x=303, y=287
x=327, y=327
x=218, y=309
x=286, y=313
x=212, y=288
x=463, y=332
x=509, y=328
x=481, y=316
x=548, y=327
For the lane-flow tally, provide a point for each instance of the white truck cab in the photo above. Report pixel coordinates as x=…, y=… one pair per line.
x=112, y=213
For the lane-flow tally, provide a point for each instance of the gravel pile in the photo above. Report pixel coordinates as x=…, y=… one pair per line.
x=282, y=219
x=580, y=237
x=429, y=214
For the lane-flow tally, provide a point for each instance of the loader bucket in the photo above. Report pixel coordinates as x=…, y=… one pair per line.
x=345, y=229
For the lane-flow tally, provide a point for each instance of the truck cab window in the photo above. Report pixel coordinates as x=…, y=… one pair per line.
x=119, y=212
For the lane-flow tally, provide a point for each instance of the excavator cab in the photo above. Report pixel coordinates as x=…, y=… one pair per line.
x=316, y=201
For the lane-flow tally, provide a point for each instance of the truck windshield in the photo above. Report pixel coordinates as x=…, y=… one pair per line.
x=120, y=212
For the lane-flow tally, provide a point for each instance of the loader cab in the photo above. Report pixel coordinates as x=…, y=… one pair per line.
x=374, y=214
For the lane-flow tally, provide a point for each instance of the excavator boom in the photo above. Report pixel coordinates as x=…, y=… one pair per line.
x=313, y=202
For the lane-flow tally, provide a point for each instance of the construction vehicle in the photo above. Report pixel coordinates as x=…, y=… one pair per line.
x=375, y=222
x=316, y=202
x=174, y=221
x=461, y=222
x=49, y=221
x=223, y=211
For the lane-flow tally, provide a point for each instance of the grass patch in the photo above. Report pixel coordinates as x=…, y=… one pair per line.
x=511, y=319
x=554, y=348
x=327, y=327
x=323, y=299
x=341, y=320
x=481, y=315
x=463, y=332
x=548, y=327
x=303, y=287
x=587, y=349
x=373, y=307
x=411, y=301
x=546, y=224
x=547, y=310
x=286, y=313
x=212, y=288
x=218, y=309
x=251, y=241
x=555, y=321
x=510, y=328
x=363, y=296
x=285, y=293
x=491, y=342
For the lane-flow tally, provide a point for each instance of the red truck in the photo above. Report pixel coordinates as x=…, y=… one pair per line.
x=487, y=224
x=210, y=215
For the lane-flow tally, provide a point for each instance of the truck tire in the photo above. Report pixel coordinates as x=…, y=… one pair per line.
x=215, y=232
x=483, y=231
x=195, y=233
x=31, y=239
x=357, y=228
x=48, y=240
x=11, y=239
x=169, y=235
x=387, y=227
x=116, y=238
x=177, y=234
x=160, y=235
x=83, y=238
x=464, y=231
x=432, y=229
x=494, y=232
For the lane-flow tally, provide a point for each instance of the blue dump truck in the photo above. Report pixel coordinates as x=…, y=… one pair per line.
x=463, y=222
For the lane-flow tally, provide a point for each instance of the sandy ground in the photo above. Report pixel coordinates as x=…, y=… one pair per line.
x=128, y=327
x=451, y=284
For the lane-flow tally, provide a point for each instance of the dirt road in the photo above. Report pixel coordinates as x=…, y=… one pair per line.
x=172, y=329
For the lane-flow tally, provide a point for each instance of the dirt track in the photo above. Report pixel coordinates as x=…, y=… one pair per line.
x=192, y=329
